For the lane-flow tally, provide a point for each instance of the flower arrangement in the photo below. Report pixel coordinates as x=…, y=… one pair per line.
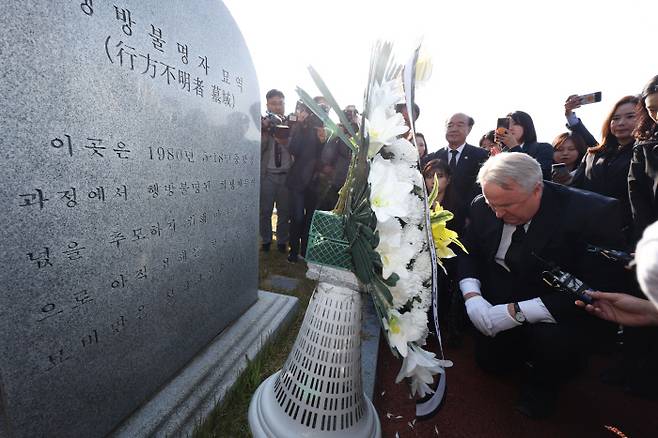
x=391, y=234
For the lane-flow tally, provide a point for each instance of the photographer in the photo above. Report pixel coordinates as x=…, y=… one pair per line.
x=275, y=162
x=306, y=141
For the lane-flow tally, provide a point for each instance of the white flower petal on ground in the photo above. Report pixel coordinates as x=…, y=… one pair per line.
x=389, y=197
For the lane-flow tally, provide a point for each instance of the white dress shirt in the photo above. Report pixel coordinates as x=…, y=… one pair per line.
x=459, y=150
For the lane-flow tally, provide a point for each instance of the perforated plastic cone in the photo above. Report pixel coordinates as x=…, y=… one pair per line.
x=318, y=392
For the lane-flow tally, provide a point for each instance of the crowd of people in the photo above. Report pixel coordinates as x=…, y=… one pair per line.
x=549, y=229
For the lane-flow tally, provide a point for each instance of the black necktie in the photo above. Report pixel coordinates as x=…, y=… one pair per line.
x=453, y=159
x=277, y=154
x=514, y=255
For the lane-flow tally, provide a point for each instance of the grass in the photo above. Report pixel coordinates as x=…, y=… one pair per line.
x=229, y=419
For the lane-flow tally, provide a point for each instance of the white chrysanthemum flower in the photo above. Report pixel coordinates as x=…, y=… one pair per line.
x=403, y=150
x=423, y=263
x=407, y=287
x=421, y=366
x=416, y=211
x=422, y=268
x=383, y=129
x=389, y=196
x=404, y=328
x=414, y=236
x=390, y=231
x=403, y=291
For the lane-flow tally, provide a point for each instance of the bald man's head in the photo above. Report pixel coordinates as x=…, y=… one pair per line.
x=457, y=129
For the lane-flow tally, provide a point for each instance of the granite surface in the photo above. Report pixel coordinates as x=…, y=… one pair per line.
x=129, y=202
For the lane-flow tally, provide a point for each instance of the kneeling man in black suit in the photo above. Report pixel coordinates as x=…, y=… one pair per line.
x=518, y=224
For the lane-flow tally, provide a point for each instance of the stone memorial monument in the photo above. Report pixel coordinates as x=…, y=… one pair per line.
x=129, y=204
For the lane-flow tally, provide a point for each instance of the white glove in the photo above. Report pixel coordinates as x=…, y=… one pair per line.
x=478, y=312
x=500, y=319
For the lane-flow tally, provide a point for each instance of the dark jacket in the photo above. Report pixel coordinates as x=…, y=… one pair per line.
x=606, y=172
x=337, y=155
x=566, y=221
x=305, y=149
x=643, y=185
x=542, y=153
x=463, y=180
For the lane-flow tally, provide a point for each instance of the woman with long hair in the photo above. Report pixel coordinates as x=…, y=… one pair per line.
x=522, y=137
x=568, y=149
x=643, y=173
x=604, y=169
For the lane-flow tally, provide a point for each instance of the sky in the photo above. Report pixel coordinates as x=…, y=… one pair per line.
x=489, y=57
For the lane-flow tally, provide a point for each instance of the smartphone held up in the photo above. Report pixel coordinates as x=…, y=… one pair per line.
x=585, y=99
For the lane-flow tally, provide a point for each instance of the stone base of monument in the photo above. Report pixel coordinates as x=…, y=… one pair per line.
x=193, y=393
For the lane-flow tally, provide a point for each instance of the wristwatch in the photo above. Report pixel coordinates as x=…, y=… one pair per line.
x=519, y=316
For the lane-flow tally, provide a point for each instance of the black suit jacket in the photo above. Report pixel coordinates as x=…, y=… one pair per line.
x=464, y=177
x=566, y=221
x=643, y=185
x=305, y=148
x=542, y=152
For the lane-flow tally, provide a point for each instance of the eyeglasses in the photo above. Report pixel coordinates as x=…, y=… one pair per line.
x=509, y=205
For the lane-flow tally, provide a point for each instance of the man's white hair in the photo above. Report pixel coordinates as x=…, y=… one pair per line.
x=646, y=258
x=508, y=167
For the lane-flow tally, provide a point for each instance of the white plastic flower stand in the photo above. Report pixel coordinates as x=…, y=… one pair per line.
x=318, y=392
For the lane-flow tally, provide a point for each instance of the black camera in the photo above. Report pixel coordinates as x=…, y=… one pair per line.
x=275, y=125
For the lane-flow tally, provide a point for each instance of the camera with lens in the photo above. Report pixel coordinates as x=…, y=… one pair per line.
x=275, y=125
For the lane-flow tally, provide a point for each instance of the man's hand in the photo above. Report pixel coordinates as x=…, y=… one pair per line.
x=477, y=309
x=501, y=319
x=571, y=104
x=621, y=308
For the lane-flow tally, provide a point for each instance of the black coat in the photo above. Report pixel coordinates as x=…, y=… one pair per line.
x=305, y=148
x=566, y=221
x=643, y=185
x=463, y=180
x=542, y=153
x=606, y=173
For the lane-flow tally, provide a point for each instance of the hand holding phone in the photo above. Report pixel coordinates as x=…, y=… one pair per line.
x=560, y=174
x=503, y=137
x=585, y=99
x=576, y=101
